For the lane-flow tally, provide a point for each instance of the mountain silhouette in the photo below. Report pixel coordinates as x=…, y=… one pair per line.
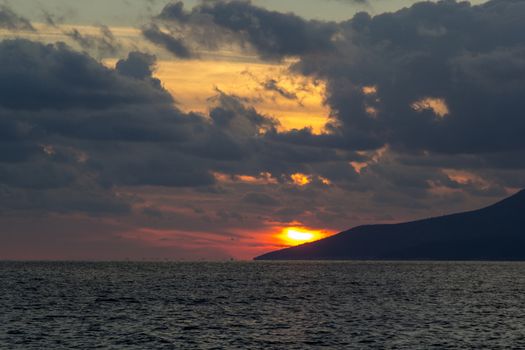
x=493, y=233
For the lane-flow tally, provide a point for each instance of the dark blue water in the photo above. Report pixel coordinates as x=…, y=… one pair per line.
x=334, y=305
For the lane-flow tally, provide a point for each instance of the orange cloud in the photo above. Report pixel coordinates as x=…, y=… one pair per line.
x=370, y=90
x=437, y=105
x=264, y=178
x=358, y=166
x=300, y=179
x=465, y=178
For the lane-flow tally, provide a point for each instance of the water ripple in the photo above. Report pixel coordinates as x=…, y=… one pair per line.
x=262, y=305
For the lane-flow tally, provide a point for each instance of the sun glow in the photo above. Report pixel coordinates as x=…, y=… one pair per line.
x=298, y=235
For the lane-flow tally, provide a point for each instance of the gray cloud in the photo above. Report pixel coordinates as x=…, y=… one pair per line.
x=140, y=66
x=273, y=85
x=273, y=35
x=450, y=53
x=174, y=11
x=70, y=123
x=174, y=45
x=260, y=199
x=38, y=76
x=415, y=52
x=466, y=59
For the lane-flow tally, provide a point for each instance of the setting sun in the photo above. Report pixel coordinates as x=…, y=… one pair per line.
x=299, y=235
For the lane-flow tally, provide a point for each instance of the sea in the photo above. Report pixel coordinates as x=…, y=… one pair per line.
x=262, y=305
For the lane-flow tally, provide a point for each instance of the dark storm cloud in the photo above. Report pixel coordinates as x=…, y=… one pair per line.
x=72, y=126
x=447, y=77
x=337, y=139
x=414, y=95
x=359, y=121
x=12, y=21
x=174, y=11
x=174, y=45
x=70, y=123
x=274, y=35
x=468, y=57
x=53, y=77
x=140, y=66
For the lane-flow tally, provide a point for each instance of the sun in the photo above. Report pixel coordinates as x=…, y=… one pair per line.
x=299, y=236
x=292, y=236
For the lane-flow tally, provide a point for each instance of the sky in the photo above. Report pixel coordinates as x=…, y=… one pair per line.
x=168, y=130
x=136, y=12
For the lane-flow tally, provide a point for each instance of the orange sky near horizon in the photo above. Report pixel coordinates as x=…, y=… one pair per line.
x=248, y=245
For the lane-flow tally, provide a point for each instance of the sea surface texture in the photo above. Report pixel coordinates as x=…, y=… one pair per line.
x=262, y=305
